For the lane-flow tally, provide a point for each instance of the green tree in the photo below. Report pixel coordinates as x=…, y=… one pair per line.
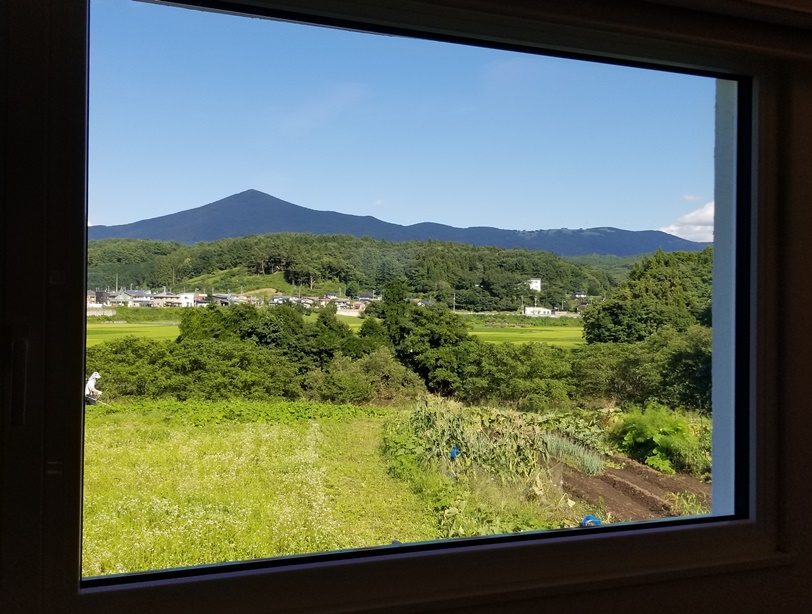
x=663, y=290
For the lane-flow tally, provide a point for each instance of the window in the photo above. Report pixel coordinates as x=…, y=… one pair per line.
x=458, y=575
x=408, y=131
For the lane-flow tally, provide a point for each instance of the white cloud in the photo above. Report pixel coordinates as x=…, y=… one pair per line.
x=89, y=223
x=377, y=203
x=690, y=198
x=694, y=226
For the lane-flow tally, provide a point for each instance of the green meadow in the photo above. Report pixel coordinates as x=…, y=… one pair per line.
x=171, y=484
x=160, y=493
x=561, y=336
x=353, y=322
x=98, y=332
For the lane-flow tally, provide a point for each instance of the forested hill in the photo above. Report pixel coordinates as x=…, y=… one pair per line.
x=253, y=212
x=479, y=278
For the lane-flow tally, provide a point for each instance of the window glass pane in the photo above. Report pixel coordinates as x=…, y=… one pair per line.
x=348, y=290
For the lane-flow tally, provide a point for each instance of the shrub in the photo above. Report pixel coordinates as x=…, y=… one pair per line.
x=547, y=395
x=664, y=439
x=343, y=381
x=194, y=369
x=376, y=376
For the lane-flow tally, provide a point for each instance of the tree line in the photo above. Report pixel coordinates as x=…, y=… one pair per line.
x=658, y=351
x=470, y=277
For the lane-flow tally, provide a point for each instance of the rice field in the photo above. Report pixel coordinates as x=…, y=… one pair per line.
x=561, y=336
x=98, y=332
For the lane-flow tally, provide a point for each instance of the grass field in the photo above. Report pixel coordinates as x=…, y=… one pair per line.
x=159, y=494
x=562, y=336
x=97, y=332
x=172, y=484
x=353, y=322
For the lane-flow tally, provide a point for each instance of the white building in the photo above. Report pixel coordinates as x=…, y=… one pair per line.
x=535, y=284
x=537, y=312
x=191, y=299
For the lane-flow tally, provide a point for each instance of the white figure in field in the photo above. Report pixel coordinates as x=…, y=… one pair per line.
x=90, y=387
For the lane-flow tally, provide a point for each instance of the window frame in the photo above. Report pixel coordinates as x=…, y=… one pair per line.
x=42, y=456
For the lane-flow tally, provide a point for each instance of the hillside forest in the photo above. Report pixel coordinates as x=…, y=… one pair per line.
x=476, y=278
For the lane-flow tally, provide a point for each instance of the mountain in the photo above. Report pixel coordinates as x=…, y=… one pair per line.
x=253, y=212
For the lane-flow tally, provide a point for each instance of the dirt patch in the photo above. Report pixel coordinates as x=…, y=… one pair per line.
x=633, y=491
x=266, y=292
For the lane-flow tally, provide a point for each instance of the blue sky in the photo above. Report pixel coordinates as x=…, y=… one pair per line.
x=188, y=107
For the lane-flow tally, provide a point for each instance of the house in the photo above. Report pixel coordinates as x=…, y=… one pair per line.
x=578, y=296
x=191, y=299
x=225, y=300
x=166, y=299
x=120, y=299
x=139, y=298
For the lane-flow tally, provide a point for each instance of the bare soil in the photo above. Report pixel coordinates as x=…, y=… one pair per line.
x=633, y=492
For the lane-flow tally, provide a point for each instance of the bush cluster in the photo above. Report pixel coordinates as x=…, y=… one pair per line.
x=664, y=439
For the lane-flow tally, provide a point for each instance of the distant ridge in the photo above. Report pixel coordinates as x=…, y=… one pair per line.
x=253, y=212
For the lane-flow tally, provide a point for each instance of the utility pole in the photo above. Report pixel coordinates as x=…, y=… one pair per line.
x=455, y=301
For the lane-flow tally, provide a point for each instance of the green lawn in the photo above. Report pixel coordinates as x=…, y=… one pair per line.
x=97, y=332
x=353, y=322
x=160, y=495
x=562, y=336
